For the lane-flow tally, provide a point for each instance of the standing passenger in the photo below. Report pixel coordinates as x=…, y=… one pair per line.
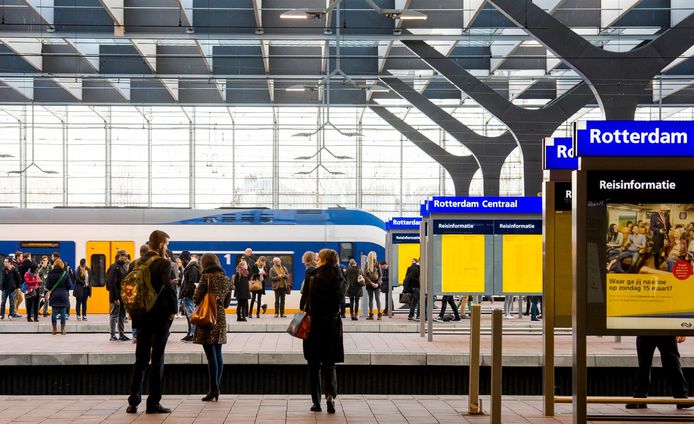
x=58, y=284
x=354, y=289
x=33, y=284
x=214, y=281
x=83, y=289
x=324, y=347
x=191, y=275
x=114, y=276
x=153, y=328
x=259, y=272
x=411, y=285
x=242, y=290
x=11, y=281
x=44, y=269
x=385, y=286
x=279, y=276
x=372, y=273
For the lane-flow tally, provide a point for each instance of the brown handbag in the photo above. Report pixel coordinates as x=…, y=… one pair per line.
x=205, y=314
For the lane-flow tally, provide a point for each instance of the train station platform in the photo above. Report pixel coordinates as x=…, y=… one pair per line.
x=273, y=363
x=268, y=409
x=99, y=323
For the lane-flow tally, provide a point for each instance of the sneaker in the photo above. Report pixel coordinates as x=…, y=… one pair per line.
x=84, y=318
x=370, y=318
x=9, y=317
x=113, y=339
x=410, y=319
x=277, y=315
x=124, y=338
x=79, y=318
x=16, y=316
x=439, y=319
x=187, y=338
x=331, y=404
x=283, y=316
x=178, y=316
x=2, y=317
x=132, y=409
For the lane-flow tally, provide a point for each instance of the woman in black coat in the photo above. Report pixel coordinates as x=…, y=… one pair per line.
x=58, y=284
x=259, y=271
x=242, y=290
x=83, y=289
x=323, y=348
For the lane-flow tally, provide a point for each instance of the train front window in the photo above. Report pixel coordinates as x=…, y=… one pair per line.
x=98, y=266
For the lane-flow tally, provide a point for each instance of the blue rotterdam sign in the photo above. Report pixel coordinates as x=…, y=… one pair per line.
x=635, y=138
x=559, y=153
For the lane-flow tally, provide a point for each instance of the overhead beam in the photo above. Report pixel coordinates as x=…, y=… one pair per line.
x=30, y=49
x=612, y=10
x=187, y=12
x=22, y=85
x=171, y=86
x=88, y=49
x=148, y=51
x=72, y=85
x=205, y=47
x=121, y=85
x=116, y=10
x=44, y=8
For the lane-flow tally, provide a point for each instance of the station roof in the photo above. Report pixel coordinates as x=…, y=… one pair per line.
x=245, y=52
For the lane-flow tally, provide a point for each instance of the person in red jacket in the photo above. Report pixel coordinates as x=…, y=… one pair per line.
x=33, y=284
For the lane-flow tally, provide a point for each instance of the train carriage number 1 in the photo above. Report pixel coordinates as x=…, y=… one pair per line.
x=228, y=258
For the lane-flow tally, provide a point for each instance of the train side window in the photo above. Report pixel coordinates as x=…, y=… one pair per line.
x=98, y=266
x=346, y=251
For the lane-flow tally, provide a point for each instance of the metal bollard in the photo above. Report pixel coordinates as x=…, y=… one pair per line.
x=473, y=405
x=497, y=321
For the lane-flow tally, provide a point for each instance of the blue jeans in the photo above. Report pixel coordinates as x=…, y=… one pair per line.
x=6, y=294
x=188, y=308
x=215, y=364
x=55, y=311
x=414, y=303
x=81, y=306
x=533, y=307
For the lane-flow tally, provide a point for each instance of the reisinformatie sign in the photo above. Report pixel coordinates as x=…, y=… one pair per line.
x=640, y=250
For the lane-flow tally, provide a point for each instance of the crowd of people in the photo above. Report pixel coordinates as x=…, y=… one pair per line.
x=43, y=284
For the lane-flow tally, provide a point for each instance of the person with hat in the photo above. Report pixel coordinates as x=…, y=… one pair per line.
x=191, y=276
x=114, y=277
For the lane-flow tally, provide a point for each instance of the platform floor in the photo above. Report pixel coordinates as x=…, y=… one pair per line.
x=360, y=348
x=99, y=323
x=295, y=409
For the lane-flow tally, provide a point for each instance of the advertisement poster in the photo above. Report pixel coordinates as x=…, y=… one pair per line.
x=649, y=267
x=640, y=236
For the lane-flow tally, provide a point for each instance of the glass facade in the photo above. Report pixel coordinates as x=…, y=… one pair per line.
x=209, y=157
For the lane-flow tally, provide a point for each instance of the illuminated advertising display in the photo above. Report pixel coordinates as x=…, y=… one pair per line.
x=640, y=250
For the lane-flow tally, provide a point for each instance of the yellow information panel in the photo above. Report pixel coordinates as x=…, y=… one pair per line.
x=522, y=263
x=463, y=263
x=406, y=252
x=650, y=301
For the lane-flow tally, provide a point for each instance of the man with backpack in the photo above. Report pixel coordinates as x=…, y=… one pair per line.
x=150, y=298
x=114, y=276
x=191, y=276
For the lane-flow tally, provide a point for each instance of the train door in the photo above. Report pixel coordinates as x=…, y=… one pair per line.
x=100, y=256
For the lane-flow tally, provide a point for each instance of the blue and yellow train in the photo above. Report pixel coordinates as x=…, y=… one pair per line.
x=98, y=233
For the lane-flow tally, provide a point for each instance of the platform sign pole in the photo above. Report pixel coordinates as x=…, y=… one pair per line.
x=548, y=299
x=580, y=373
x=497, y=357
x=423, y=265
x=474, y=368
x=389, y=261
